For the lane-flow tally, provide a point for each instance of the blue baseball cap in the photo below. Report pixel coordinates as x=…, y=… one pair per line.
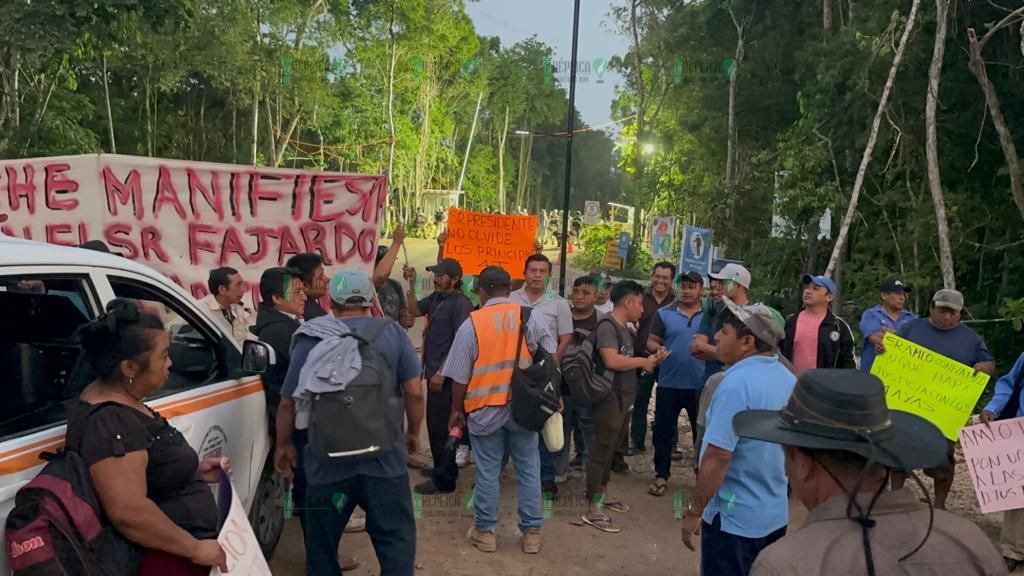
x=822, y=281
x=347, y=285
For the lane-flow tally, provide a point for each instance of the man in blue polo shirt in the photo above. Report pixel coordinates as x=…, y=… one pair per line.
x=740, y=501
x=889, y=316
x=681, y=376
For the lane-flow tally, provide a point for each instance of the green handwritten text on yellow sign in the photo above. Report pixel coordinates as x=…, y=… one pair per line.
x=930, y=385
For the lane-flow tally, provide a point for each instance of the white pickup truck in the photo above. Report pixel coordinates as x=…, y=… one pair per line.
x=47, y=292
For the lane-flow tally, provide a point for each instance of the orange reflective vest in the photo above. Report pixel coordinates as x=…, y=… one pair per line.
x=497, y=333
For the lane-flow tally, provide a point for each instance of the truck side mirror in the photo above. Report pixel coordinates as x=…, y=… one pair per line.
x=257, y=357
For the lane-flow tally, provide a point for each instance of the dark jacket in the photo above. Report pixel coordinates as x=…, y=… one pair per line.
x=276, y=329
x=835, y=342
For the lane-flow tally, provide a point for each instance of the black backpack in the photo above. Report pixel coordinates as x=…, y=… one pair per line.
x=536, y=390
x=585, y=374
x=1013, y=404
x=364, y=419
x=57, y=527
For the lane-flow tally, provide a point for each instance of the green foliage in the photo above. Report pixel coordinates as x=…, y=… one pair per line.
x=594, y=239
x=1013, y=310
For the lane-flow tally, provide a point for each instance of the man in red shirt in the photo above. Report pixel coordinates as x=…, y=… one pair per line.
x=816, y=338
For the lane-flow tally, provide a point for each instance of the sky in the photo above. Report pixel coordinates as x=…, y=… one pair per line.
x=551, y=22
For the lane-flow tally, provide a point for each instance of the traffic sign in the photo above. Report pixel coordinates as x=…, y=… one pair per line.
x=591, y=212
x=696, y=253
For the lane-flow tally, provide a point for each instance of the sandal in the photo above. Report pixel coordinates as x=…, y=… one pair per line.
x=601, y=522
x=615, y=506
x=658, y=487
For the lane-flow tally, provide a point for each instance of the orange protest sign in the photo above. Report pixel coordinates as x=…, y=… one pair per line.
x=477, y=240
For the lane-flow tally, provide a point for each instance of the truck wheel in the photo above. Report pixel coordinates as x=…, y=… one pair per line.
x=267, y=512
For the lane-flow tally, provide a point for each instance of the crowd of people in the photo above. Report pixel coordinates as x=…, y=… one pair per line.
x=778, y=408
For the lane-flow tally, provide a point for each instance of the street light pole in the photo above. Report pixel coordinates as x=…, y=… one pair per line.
x=563, y=260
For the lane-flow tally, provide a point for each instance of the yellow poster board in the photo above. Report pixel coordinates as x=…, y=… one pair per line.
x=930, y=385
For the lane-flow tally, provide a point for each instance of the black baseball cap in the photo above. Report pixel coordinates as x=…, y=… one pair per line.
x=691, y=276
x=448, y=267
x=493, y=277
x=894, y=285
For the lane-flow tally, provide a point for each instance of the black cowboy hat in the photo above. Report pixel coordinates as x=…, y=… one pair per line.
x=846, y=410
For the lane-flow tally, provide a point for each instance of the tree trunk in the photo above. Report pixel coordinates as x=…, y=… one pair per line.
x=977, y=66
x=826, y=14
x=733, y=136
x=156, y=120
x=932, y=147
x=255, y=126
x=641, y=115
x=844, y=229
x=271, y=137
x=234, y=130
x=286, y=136
x=202, y=127
x=501, y=164
x=524, y=143
x=851, y=10
x=15, y=94
x=149, y=120
x=106, y=101
x=392, y=62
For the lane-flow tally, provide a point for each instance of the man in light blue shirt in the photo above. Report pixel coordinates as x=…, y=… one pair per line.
x=740, y=502
x=1009, y=391
x=889, y=316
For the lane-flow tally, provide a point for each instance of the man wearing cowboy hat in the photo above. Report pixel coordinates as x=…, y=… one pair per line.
x=740, y=502
x=840, y=442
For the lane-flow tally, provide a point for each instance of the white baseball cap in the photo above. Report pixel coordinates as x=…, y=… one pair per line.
x=734, y=272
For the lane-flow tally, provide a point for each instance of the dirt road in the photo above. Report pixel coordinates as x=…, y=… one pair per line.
x=648, y=544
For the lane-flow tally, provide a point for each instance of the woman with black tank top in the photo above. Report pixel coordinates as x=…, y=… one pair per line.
x=150, y=482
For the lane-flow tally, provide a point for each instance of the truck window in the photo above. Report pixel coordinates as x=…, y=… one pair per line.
x=194, y=355
x=39, y=347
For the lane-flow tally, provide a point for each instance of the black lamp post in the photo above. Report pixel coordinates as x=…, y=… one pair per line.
x=568, y=149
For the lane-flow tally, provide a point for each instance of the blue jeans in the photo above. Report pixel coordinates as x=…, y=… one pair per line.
x=578, y=426
x=489, y=452
x=389, y=522
x=549, y=461
x=724, y=554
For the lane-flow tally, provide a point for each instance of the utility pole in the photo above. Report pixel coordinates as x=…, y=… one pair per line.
x=563, y=260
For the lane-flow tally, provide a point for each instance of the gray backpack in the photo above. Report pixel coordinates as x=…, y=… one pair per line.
x=589, y=381
x=364, y=419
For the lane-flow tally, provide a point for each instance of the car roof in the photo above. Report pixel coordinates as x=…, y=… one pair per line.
x=21, y=252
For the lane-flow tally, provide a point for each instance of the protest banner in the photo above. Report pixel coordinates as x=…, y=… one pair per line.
x=478, y=240
x=995, y=459
x=185, y=218
x=663, y=229
x=236, y=536
x=928, y=384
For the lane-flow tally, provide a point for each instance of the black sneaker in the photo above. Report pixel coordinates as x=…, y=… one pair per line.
x=634, y=450
x=619, y=465
x=549, y=487
x=427, y=488
x=576, y=463
x=427, y=472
